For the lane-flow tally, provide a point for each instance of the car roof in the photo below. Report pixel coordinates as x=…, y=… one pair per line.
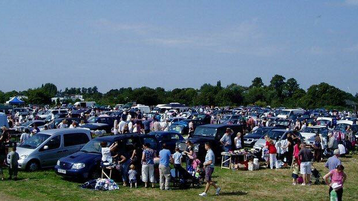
x=63, y=131
x=119, y=137
x=218, y=125
x=161, y=132
x=280, y=130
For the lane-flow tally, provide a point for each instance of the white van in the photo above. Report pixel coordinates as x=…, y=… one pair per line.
x=85, y=104
x=286, y=113
x=142, y=108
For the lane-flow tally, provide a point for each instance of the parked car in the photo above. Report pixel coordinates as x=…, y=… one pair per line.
x=210, y=133
x=251, y=138
x=310, y=133
x=169, y=138
x=29, y=125
x=46, y=147
x=86, y=163
x=274, y=134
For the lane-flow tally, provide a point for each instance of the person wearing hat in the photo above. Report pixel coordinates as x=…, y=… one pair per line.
x=333, y=161
x=337, y=178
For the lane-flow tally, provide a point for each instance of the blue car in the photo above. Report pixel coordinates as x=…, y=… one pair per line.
x=85, y=164
x=169, y=138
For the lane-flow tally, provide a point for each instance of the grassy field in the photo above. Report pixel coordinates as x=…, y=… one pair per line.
x=236, y=185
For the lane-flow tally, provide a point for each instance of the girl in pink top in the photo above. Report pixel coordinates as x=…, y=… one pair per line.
x=296, y=151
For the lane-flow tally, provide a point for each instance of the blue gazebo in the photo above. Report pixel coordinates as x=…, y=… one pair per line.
x=16, y=101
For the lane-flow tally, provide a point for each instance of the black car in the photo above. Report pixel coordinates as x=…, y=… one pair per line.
x=86, y=163
x=169, y=138
x=210, y=133
x=251, y=138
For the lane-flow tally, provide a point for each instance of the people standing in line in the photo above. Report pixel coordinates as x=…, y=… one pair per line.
x=209, y=165
x=305, y=156
x=337, y=178
x=148, y=165
x=333, y=161
x=164, y=169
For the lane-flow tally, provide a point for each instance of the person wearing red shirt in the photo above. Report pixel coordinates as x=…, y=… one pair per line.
x=270, y=145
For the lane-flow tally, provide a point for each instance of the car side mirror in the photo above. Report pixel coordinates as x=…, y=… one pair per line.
x=45, y=147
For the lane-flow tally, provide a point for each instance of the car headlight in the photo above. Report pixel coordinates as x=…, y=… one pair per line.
x=58, y=162
x=78, y=166
x=23, y=157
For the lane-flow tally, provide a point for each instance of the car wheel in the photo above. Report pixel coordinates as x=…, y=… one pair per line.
x=33, y=166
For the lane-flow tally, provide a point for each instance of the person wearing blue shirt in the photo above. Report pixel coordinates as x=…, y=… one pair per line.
x=164, y=169
x=209, y=165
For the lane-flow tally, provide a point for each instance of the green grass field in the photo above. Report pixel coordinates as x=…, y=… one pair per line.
x=236, y=185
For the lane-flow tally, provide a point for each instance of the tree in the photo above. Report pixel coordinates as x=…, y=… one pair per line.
x=50, y=89
x=257, y=82
x=290, y=87
x=277, y=83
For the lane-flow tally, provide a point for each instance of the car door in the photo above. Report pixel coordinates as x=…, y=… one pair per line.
x=51, y=151
x=73, y=142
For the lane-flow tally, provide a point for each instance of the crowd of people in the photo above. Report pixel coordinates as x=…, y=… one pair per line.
x=291, y=152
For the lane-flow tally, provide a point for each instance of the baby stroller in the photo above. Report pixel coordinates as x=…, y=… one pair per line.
x=316, y=176
x=187, y=178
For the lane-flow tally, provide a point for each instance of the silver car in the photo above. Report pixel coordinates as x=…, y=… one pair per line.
x=46, y=147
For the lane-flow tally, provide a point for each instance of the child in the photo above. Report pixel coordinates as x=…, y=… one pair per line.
x=14, y=157
x=132, y=176
x=177, y=161
x=295, y=173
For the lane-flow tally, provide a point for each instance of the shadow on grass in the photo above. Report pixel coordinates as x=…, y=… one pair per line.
x=233, y=193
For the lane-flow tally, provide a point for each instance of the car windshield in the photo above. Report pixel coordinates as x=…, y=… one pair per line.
x=35, y=141
x=26, y=124
x=310, y=130
x=176, y=128
x=275, y=134
x=91, y=120
x=261, y=131
x=285, y=113
x=93, y=146
x=323, y=122
x=205, y=132
x=283, y=123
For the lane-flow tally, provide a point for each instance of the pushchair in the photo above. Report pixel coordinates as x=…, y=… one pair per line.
x=316, y=176
x=186, y=179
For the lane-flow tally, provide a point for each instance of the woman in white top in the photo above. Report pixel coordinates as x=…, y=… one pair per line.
x=237, y=141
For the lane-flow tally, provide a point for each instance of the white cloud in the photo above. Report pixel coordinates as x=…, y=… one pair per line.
x=110, y=26
x=244, y=38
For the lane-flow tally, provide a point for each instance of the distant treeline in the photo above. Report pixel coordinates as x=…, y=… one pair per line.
x=280, y=92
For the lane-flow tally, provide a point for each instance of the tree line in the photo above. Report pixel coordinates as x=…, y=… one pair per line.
x=280, y=92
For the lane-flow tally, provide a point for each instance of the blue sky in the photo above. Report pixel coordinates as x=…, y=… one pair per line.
x=113, y=44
